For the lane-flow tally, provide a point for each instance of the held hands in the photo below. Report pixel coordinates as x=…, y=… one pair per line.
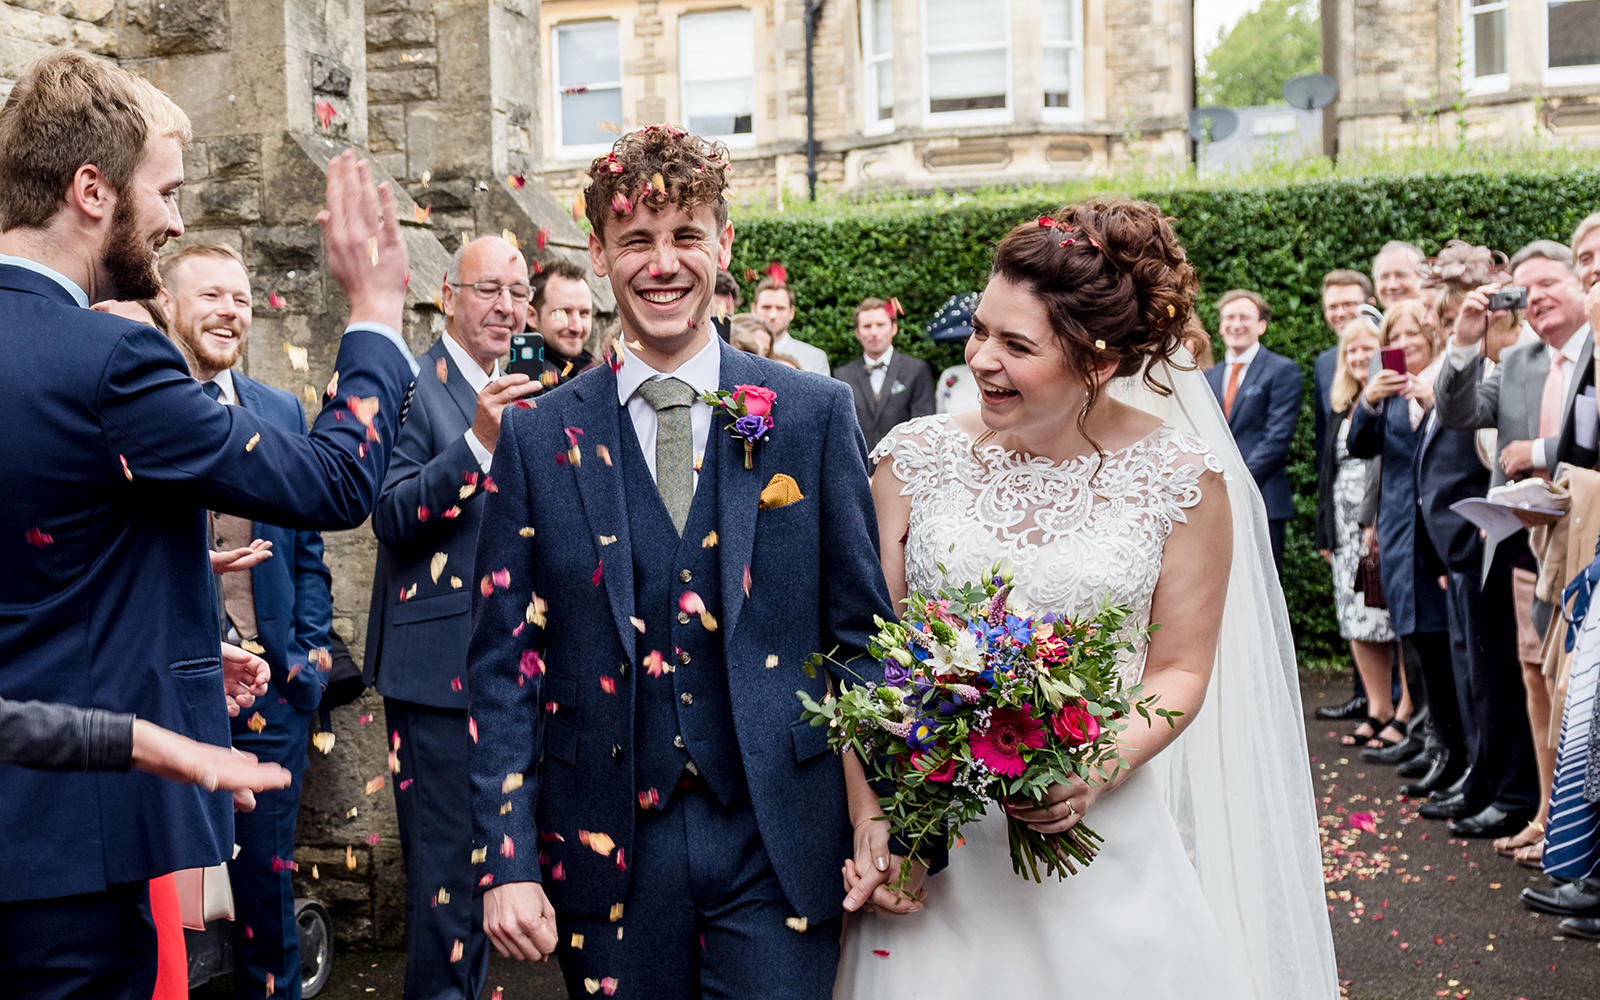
x=1383, y=384
x=236, y=560
x=1064, y=806
x=365, y=252
x=870, y=875
x=520, y=921
x=244, y=677
x=494, y=398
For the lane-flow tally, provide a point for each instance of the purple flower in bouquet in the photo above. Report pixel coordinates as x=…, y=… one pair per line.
x=751, y=427
x=894, y=673
x=1000, y=745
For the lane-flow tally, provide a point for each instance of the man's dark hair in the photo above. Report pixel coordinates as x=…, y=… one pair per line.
x=1542, y=249
x=558, y=268
x=726, y=285
x=771, y=284
x=1335, y=279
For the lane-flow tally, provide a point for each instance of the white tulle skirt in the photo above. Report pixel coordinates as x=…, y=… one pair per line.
x=1132, y=925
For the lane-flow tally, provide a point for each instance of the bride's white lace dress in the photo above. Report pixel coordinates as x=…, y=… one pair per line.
x=1135, y=923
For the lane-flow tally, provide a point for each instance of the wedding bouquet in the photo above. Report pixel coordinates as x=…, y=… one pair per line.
x=983, y=703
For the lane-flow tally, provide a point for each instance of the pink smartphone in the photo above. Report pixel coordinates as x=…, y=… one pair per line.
x=1394, y=359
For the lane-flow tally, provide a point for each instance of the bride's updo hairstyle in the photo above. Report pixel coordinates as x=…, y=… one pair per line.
x=1114, y=282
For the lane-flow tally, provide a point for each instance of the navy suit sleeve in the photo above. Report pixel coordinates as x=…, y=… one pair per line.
x=1284, y=392
x=1366, y=431
x=419, y=480
x=922, y=403
x=313, y=595
x=163, y=434
x=505, y=699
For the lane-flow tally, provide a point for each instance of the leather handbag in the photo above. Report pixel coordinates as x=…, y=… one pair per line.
x=204, y=895
x=1368, y=582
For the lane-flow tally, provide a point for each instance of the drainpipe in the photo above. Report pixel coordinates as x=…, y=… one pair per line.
x=813, y=15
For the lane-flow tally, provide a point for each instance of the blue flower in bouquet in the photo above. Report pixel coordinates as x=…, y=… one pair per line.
x=924, y=735
x=1016, y=628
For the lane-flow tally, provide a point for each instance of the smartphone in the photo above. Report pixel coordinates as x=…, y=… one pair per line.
x=1394, y=359
x=527, y=355
x=1510, y=297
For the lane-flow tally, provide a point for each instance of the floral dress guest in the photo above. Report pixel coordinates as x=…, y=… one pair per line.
x=1341, y=488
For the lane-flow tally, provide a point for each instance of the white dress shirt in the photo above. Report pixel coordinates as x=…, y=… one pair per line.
x=1243, y=359
x=1462, y=355
x=878, y=374
x=703, y=373
x=229, y=395
x=810, y=359
x=477, y=381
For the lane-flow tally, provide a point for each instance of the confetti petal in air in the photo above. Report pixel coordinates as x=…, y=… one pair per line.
x=325, y=114
x=257, y=722
x=421, y=213
x=512, y=782
x=323, y=741
x=621, y=204
x=541, y=238
x=600, y=843
x=373, y=784
x=276, y=301
x=255, y=439
x=530, y=664
x=456, y=951
x=441, y=368
x=797, y=924
x=517, y=181
x=690, y=603
x=455, y=683
x=778, y=273
x=608, y=684
x=507, y=848
x=502, y=578
x=436, y=565
x=709, y=542
x=127, y=472
x=654, y=663
x=38, y=539
x=511, y=238
x=604, y=453
x=598, y=570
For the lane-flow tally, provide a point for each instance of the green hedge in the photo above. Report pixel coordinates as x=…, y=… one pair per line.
x=1277, y=238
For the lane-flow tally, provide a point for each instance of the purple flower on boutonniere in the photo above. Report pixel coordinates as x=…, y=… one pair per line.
x=749, y=408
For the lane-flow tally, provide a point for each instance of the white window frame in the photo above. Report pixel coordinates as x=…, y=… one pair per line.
x=871, y=65
x=563, y=150
x=1489, y=82
x=1564, y=76
x=978, y=116
x=1073, y=112
x=736, y=140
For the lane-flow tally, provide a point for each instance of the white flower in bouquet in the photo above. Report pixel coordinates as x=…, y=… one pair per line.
x=962, y=657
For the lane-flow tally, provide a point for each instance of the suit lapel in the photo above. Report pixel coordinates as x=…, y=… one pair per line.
x=596, y=412
x=1576, y=383
x=1533, y=387
x=455, y=383
x=738, y=488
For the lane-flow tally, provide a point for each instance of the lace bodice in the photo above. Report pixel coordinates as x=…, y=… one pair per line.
x=1075, y=536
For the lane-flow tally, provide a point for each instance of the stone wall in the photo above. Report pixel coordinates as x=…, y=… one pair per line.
x=32, y=28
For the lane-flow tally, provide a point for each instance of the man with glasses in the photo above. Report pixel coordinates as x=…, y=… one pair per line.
x=421, y=618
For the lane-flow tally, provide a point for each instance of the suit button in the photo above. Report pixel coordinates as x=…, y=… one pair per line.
x=686, y=576
x=616, y=751
x=683, y=657
x=677, y=741
x=683, y=618
x=686, y=699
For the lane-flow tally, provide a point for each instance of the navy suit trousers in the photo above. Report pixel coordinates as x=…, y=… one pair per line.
x=97, y=946
x=433, y=807
x=708, y=921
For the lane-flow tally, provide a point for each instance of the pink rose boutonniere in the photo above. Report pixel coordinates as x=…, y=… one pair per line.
x=749, y=412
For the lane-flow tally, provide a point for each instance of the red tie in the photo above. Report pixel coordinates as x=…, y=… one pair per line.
x=1234, y=371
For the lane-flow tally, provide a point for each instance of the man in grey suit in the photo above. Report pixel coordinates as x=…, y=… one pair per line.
x=889, y=387
x=427, y=526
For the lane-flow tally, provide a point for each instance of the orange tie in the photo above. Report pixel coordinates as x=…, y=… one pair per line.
x=1234, y=371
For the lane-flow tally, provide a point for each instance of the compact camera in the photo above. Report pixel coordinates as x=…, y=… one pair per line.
x=1510, y=297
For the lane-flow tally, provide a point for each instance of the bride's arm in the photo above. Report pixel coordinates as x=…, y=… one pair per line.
x=1187, y=605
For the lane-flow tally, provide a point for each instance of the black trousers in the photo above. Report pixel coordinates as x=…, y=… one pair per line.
x=1428, y=664
x=97, y=946
x=1490, y=691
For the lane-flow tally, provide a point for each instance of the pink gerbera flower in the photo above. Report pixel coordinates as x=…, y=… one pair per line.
x=999, y=746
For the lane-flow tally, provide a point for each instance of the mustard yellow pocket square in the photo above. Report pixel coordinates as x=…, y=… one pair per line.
x=780, y=492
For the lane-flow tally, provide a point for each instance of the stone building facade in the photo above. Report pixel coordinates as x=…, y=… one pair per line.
x=443, y=95
x=908, y=94
x=1413, y=71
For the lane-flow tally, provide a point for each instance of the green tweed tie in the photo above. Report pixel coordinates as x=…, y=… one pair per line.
x=670, y=398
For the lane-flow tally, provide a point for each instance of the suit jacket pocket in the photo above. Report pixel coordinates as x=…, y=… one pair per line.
x=429, y=608
x=809, y=741
x=561, y=739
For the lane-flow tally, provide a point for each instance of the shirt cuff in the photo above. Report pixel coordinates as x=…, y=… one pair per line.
x=484, y=456
x=1461, y=355
x=1537, y=454
x=394, y=338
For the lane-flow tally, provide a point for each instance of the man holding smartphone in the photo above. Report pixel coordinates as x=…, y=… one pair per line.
x=427, y=526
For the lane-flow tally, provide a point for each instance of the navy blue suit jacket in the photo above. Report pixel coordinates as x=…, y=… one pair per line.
x=294, y=602
x=418, y=628
x=1265, y=410
x=112, y=454
x=1322, y=384
x=552, y=692
x=1410, y=585
x=1447, y=469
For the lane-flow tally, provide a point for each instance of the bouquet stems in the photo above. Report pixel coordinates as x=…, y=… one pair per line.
x=1060, y=853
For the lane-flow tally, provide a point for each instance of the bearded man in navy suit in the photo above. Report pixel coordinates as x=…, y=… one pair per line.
x=1260, y=395
x=650, y=588
x=111, y=456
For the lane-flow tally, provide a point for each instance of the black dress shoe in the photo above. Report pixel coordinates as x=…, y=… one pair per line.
x=1402, y=751
x=1355, y=708
x=1442, y=773
x=1578, y=898
x=1416, y=767
x=1584, y=927
x=1489, y=822
x=1454, y=807
x=1457, y=787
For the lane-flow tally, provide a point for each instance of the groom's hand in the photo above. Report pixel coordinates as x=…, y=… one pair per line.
x=520, y=921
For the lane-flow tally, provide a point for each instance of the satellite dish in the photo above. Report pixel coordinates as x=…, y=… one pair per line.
x=1212, y=124
x=1311, y=91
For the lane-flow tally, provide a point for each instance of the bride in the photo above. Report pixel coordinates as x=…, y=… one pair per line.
x=1100, y=470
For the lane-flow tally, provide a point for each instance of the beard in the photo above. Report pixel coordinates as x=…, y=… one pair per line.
x=204, y=356
x=126, y=260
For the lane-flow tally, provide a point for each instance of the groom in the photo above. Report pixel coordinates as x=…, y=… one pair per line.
x=646, y=609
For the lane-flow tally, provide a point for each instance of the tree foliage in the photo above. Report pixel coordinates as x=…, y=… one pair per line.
x=1250, y=62
x=1276, y=238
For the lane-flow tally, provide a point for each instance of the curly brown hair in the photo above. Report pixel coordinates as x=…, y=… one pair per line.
x=1113, y=280
x=657, y=166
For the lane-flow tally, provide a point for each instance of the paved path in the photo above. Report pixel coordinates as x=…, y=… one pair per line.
x=1416, y=914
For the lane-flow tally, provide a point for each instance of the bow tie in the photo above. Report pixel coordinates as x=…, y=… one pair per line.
x=877, y=366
